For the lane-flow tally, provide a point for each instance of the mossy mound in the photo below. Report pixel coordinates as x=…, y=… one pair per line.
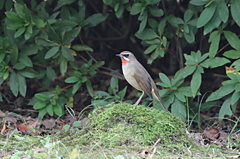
x=122, y=124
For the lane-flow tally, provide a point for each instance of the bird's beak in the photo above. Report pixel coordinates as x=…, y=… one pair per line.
x=119, y=55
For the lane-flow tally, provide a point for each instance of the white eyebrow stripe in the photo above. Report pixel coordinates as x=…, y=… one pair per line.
x=125, y=58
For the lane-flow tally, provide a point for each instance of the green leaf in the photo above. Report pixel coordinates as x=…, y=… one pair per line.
x=58, y=110
x=221, y=92
x=82, y=48
x=146, y=34
x=28, y=73
x=188, y=70
x=136, y=9
x=150, y=49
x=32, y=49
x=97, y=65
x=196, y=82
x=189, y=36
x=163, y=84
x=161, y=26
x=52, y=52
x=164, y=79
x=70, y=36
x=24, y=59
x=237, y=87
x=63, y=66
x=19, y=32
x=235, y=97
x=235, y=10
x=203, y=57
x=66, y=52
x=39, y=105
x=72, y=79
x=214, y=39
x=119, y=11
x=42, y=113
x=89, y=88
x=155, y=11
x=233, y=39
x=94, y=20
x=62, y=3
x=236, y=64
x=22, y=85
x=175, y=21
x=76, y=87
x=153, y=23
x=14, y=84
x=212, y=24
x=14, y=26
x=198, y=2
x=223, y=11
x=51, y=74
x=186, y=91
x=45, y=42
x=42, y=97
x=122, y=93
x=28, y=32
x=143, y=23
x=114, y=84
x=76, y=123
x=218, y=61
x=232, y=54
x=225, y=109
x=186, y=28
x=49, y=109
x=206, y=15
x=14, y=55
x=179, y=109
x=2, y=56
x=14, y=17
x=180, y=96
x=188, y=15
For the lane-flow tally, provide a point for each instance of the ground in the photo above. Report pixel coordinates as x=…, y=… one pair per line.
x=118, y=131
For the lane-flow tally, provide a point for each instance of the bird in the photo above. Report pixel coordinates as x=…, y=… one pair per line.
x=138, y=77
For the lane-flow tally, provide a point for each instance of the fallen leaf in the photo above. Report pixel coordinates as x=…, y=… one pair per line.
x=4, y=129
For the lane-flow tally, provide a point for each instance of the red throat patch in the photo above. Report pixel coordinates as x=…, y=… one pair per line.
x=124, y=62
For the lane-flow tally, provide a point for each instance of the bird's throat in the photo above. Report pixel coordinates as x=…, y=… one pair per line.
x=124, y=62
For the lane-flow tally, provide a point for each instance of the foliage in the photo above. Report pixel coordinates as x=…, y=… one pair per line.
x=101, y=98
x=49, y=102
x=158, y=28
x=41, y=43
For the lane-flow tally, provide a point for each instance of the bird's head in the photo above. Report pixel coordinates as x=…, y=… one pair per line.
x=126, y=57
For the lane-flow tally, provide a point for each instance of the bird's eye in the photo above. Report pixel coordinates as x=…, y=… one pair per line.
x=126, y=55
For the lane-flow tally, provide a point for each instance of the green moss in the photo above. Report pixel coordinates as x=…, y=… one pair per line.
x=122, y=124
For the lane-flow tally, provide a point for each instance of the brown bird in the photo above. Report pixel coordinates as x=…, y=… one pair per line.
x=138, y=77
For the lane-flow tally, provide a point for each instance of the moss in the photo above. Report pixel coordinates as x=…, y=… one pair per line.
x=122, y=124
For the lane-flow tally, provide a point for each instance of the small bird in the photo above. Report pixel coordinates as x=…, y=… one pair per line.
x=138, y=77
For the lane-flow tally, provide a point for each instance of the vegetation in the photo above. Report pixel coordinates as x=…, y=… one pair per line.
x=59, y=55
x=113, y=131
x=40, y=43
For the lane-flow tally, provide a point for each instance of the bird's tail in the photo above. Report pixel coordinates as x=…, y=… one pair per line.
x=156, y=95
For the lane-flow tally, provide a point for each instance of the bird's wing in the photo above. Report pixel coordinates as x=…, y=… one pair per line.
x=144, y=80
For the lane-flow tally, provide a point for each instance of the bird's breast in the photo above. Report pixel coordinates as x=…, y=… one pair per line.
x=129, y=73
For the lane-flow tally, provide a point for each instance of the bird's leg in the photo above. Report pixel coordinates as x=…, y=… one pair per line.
x=139, y=99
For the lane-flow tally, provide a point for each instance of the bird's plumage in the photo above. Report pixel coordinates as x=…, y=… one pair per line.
x=137, y=76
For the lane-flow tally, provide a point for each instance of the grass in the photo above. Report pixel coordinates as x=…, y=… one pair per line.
x=116, y=131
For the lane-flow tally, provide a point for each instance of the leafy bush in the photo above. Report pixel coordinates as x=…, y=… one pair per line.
x=158, y=27
x=41, y=43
